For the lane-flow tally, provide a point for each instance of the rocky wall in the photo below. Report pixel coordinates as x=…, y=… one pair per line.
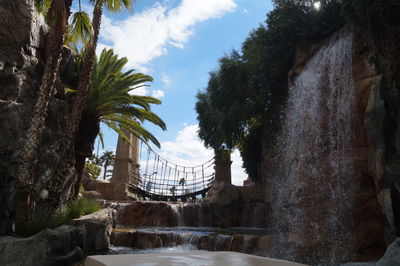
x=22, y=43
x=323, y=179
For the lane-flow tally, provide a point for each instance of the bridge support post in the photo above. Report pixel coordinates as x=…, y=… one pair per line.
x=223, y=166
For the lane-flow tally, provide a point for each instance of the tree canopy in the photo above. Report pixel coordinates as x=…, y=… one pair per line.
x=241, y=107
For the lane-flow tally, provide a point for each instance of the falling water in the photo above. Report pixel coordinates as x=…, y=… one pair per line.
x=177, y=209
x=315, y=179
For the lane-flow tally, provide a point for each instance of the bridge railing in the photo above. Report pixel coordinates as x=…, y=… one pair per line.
x=158, y=176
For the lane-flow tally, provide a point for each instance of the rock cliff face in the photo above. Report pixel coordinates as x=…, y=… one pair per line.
x=325, y=178
x=22, y=43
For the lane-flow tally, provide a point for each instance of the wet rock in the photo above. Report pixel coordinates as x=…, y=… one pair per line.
x=147, y=214
x=321, y=174
x=222, y=194
x=98, y=227
x=248, y=214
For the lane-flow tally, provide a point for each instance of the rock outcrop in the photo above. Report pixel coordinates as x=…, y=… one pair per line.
x=145, y=239
x=22, y=44
x=64, y=245
x=391, y=257
x=163, y=214
x=222, y=194
x=322, y=175
x=98, y=227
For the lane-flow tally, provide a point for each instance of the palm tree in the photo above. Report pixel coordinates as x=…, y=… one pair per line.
x=111, y=102
x=58, y=12
x=89, y=58
x=108, y=159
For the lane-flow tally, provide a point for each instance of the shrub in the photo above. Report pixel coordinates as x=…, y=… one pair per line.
x=93, y=170
x=74, y=209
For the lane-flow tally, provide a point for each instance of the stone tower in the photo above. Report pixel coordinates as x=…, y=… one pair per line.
x=126, y=167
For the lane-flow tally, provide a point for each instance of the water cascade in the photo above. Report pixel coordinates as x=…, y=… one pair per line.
x=315, y=179
x=154, y=225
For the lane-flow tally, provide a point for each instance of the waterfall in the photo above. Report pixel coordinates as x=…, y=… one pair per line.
x=315, y=179
x=177, y=210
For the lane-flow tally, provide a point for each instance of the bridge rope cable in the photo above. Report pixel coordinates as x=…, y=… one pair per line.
x=171, y=179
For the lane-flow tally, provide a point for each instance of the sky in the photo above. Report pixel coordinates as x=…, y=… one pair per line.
x=178, y=42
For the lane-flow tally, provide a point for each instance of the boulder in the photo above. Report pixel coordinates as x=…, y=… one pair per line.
x=60, y=246
x=391, y=257
x=98, y=226
x=359, y=264
x=94, y=195
x=142, y=213
x=222, y=194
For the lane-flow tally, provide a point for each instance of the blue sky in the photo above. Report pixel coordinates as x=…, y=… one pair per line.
x=178, y=42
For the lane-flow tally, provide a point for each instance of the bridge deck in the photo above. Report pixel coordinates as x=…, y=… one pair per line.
x=157, y=197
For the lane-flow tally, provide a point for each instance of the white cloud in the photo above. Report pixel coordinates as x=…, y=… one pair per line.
x=166, y=80
x=147, y=35
x=142, y=91
x=188, y=150
x=157, y=94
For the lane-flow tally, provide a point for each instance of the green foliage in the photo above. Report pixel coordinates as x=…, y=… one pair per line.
x=243, y=102
x=222, y=154
x=42, y=6
x=107, y=158
x=93, y=170
x=73, y=210
x=81, y=30
x=112, y=100
x=354, y=10
x=114, y=5
x=94, y=159
x=81, y=206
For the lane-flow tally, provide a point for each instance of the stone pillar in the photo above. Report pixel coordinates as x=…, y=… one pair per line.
x=223, y=166
x=126, y=167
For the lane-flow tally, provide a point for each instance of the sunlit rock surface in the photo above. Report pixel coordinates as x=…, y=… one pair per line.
x=98, y=227
x=186, y=259
x=222, y=194
x=167, y=214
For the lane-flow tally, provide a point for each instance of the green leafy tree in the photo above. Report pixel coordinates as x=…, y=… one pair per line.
x=111, y=101
x=241, y=107
x=94, y=159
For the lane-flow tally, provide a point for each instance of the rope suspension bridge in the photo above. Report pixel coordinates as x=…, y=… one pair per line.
x=156, y=178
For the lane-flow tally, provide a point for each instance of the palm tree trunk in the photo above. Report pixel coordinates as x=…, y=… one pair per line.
x=26, y=176
x=88, y=130
x=86, y=73
x=83, y=86
x=105, y=171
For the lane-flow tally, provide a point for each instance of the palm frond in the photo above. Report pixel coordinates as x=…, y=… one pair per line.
x=81, y=30
x=116, y=5
x=110, y=98
x=43, y=6
x=101, y=137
